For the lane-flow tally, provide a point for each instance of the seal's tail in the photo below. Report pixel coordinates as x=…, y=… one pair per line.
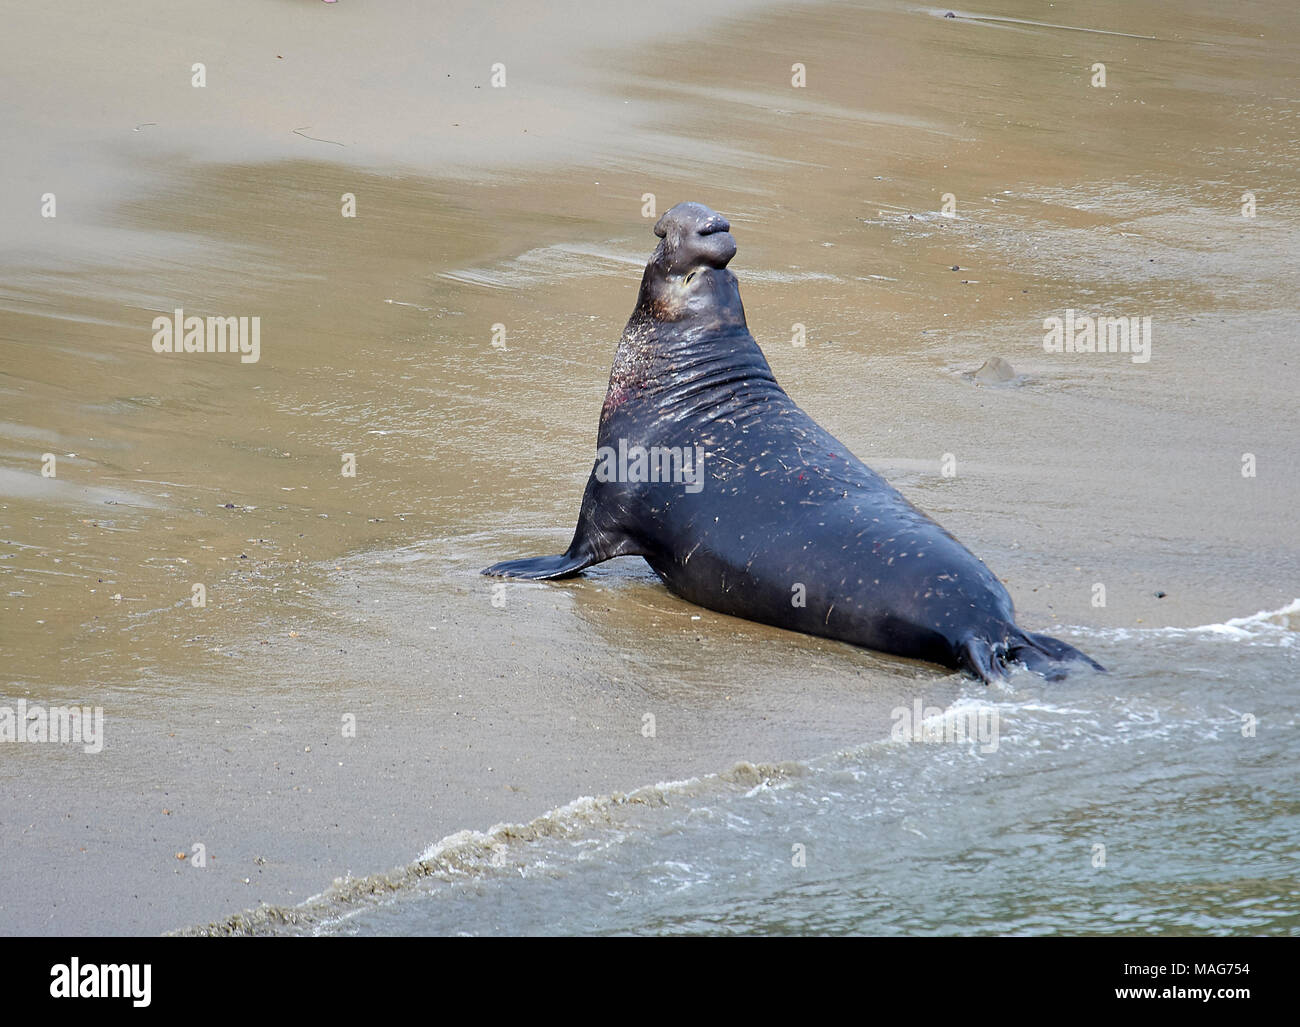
x=989, y=661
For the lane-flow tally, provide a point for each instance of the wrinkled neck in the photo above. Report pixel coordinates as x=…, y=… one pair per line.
x=675, y=368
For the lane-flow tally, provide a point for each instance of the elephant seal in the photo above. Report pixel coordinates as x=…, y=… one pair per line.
x=742, y=503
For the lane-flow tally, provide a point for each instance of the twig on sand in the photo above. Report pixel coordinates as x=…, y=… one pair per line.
x=300, y=132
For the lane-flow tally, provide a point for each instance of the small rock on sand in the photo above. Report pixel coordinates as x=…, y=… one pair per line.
x=995, y=371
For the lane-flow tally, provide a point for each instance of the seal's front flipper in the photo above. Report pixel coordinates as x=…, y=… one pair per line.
x=599, y=536
x=586, y=549
x=540, y=568
x=582, y=553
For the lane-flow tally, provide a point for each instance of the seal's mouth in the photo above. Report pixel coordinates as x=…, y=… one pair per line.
x=712, y=246
x=706, y=274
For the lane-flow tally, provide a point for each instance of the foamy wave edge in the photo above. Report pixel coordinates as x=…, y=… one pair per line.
x=467, y=853
x=1280, y=627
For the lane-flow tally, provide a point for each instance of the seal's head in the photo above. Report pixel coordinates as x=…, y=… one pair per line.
x=693, y=236
x=687, y=278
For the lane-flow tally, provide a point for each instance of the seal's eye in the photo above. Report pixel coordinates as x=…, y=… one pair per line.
x=690, y=277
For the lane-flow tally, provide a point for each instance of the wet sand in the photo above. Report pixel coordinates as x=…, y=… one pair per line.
x=330, y=596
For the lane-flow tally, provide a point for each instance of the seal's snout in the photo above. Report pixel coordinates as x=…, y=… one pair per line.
x=717, y=223
x=715, y=245
x=694, y=235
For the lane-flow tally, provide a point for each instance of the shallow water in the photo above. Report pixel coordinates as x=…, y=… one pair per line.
x=1144, y=802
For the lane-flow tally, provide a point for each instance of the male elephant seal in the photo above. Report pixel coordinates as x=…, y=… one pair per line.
x=742, y=503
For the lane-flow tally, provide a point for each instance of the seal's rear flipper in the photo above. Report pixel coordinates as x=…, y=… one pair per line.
x=1049, y=656
x=540, y=568
x=1038, y=662
x=977, y=656
x=1042, y=654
